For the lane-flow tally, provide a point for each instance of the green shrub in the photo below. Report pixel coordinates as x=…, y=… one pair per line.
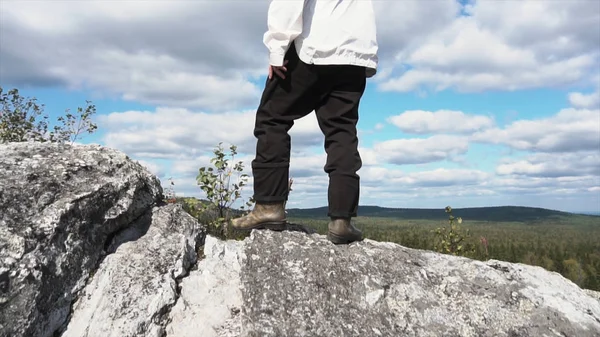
x=453, y=239
x=23, y=119
x=220, y=191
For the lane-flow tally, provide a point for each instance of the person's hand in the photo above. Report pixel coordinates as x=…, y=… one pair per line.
x=279, y=71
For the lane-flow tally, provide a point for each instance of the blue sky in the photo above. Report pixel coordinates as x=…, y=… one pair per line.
x=480, y=103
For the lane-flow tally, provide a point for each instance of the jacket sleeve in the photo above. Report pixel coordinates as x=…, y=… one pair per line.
x=284, y=25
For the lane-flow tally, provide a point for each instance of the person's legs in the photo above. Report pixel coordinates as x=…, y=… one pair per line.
x=338, y=116
x=283, y=101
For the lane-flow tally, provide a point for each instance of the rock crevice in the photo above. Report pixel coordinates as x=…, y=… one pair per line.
x=134, y=289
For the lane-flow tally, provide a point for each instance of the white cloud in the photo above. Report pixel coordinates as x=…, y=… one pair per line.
x=153, y=167
x=390, y=187
x=172, y=133
x=365, y=132
x=505, y=46
x=158, y=53
x=307, y=165
x=553, y=74
x=180, y=53
x=432, y=188
x=580, y=100
x=171, y=53
x=569, y=130
x=189, y=167
x=400, y=25
x=310, y=164
x=57, y=17
x=441, y=121
x=368, y=156
x=553, y=166
x=567, y=179
x=177, y=133
x=543, y=186
x=306, y=133
x=393, y=179
x=553, y=29
x=421, y=150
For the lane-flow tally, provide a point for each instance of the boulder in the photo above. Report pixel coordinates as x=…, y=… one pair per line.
x=88, y=249
x=60, y=207
x=294, y=284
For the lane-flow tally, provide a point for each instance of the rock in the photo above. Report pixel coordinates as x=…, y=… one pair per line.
x=293, y=284
x=211, y=298
x=300, y=285
x=594, y=294
x=59, y=207
x=133, y=290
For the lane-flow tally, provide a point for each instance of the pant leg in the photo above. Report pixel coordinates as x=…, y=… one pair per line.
x=338, y=116
x=283, y=101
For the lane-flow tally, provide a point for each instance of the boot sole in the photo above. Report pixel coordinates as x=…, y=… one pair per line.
x=271, y=225
x=341, y=240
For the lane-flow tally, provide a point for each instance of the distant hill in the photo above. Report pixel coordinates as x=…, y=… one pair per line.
x=589, y=213
x=497, y=213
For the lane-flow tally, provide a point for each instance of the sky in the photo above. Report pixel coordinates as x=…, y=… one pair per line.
x=475, y=103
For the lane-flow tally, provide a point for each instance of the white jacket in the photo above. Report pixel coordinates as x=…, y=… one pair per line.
x=324, y=32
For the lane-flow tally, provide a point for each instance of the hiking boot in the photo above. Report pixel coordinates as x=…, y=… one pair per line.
x=263, y=216
x=341, y=231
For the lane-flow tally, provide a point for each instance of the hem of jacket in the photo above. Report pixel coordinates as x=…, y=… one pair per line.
x=369, y=62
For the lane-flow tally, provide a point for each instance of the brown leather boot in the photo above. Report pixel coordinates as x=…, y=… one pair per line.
x=341, y=231
x=263, y=216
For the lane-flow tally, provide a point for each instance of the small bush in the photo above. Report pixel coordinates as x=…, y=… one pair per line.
x=23, y=119
x=453, y=239
x=220, y=191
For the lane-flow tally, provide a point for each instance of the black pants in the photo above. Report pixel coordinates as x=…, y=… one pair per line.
x=333, y=92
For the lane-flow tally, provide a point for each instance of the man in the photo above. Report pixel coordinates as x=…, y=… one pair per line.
x=321, y=52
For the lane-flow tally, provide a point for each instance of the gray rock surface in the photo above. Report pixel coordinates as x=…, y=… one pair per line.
x=294, y=284
x=134, y=288
x=59, y=206
x=301, y=285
